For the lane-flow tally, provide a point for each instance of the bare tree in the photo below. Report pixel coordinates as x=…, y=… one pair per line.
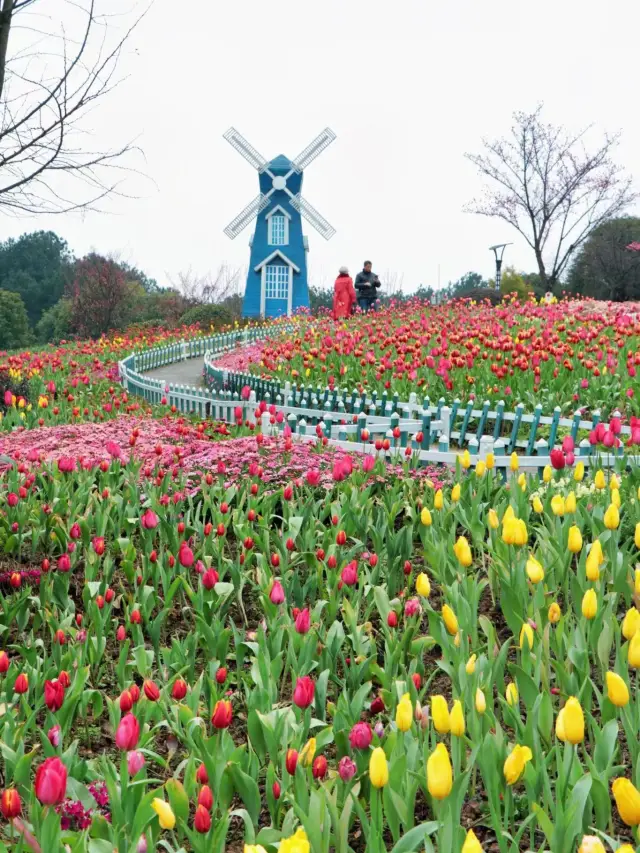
x=210, y=288
x=544, y=182
x=393, y=283
x=51, y=76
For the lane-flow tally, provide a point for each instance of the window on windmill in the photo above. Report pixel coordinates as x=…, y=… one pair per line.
x=278, y=230
x=276, y=281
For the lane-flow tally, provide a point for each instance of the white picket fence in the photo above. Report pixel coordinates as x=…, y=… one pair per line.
x=418, y=432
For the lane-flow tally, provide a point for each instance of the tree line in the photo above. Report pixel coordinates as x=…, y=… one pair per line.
x=48, y=295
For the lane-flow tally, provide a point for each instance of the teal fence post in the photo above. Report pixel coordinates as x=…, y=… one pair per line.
x=516, y=426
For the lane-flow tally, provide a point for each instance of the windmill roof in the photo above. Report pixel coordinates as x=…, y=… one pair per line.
x=280, y=164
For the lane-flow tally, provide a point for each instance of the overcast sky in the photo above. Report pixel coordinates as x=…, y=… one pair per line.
x=408, y=87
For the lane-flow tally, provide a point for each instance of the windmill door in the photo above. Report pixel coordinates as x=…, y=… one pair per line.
x=277, y=284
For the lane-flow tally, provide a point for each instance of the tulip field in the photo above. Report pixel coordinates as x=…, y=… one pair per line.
x=214, y=638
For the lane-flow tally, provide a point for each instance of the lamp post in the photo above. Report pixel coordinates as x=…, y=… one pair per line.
x=498, y=251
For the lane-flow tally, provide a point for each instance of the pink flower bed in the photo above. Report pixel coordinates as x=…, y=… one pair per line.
x=168, y=442
x=240, y=359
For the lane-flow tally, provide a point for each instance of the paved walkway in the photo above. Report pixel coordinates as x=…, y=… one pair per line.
x=187, y=372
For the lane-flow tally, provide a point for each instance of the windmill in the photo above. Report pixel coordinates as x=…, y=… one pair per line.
x=277, y=278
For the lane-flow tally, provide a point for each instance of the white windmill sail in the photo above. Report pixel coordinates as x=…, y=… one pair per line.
x=309, y=212
x=245, y=148
x=313, y=149
x=245, y=216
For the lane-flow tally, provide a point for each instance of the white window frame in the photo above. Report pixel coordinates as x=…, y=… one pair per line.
x=280, y=219
x=263, y=288
x=277, y=211
x=261, y=269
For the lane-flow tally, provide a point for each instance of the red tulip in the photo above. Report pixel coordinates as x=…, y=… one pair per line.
x=360, y=736
x=392, y=619
x=4, y=662
x=136, y=617
x=276, y=595
x=304, y=692
x=291, y=761
x=417, y=680
x=222, y=714
x=134, y=690
x=202, y=820
x=377, y=706
x=10, y=804
x=51, y=782
x=319, y=769
x=349, y=574
x=98, y=545
x=22, y=684
x=53, y=695
x=205, y=798
x=54, y=735
x=128, y=733
x=64, y=563
x=221, y=675
x=75, y=532
x=313, y=476
x=185, y=556
x=209, y=578
x=275, y=790
x=179, y=689
x=126, y=701
x=149, y=520
x=303, y=621
x=121, y=634
x=201, y=775
x=557, y=458
x=347, y=768
x=151, y=690
x=135, y=762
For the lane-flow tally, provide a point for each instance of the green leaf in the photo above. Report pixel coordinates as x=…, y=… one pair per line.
x=178, y=799
x=544, y=822
x=247, y=789
x=412, y=840
x=575, y=809
x=100, y=845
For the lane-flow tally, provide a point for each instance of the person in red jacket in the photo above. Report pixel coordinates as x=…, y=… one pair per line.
x=344, y=295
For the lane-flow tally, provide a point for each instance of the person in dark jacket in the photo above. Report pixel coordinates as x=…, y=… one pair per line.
x=367, y=283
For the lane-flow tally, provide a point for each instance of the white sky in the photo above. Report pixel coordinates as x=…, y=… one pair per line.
x=408, y=86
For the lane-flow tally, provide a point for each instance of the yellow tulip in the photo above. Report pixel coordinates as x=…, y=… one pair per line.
x=575, y=539
x=425, y=517
x=465, y=460
x=508, y=514
x=627, y=799
x=166, y=817
x=557, y=505
x=308, y=752
x=480, y=468
x=471, y=843
x=636, y=536
x=570, y=502
x=615, y=498
x=440, y=714
x=439, y=773
x=630, y=623
x=456, y=640
x=560, y=730
x=457, y=719
x=526, y=635
x=423, y=587
x=470, y=666
x=522, y=481
x=296, y=843
x=593, y=562
x=626, y=848
x=404, y=713
x=573, y=721
x=589, y=604
x=554, y=613
x=592, y=844
x=521, y=534
x=599, y=479
x=450, y=620
x=636, y=582
x=455, y=493
x=512, y=693
x=509, y=531
x=490, y=461
x=481, y=701
x=254, y=848
x=617, y=690
x=614, y=483
x=633, y=652
x=438, y=500
x=515, y=763
x=547, y=474
x=535, y=572
x=463, y=552
x=378, y=768
x=537, y=505
x=578, y=474
x=493, y=519
x=513, y=462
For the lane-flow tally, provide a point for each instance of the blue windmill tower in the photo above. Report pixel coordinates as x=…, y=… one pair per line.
x=277, y=278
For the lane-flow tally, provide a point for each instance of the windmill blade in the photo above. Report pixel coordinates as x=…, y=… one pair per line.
x=311, y=215
x=245, y=148
x=314, y=148
x=245, y=216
